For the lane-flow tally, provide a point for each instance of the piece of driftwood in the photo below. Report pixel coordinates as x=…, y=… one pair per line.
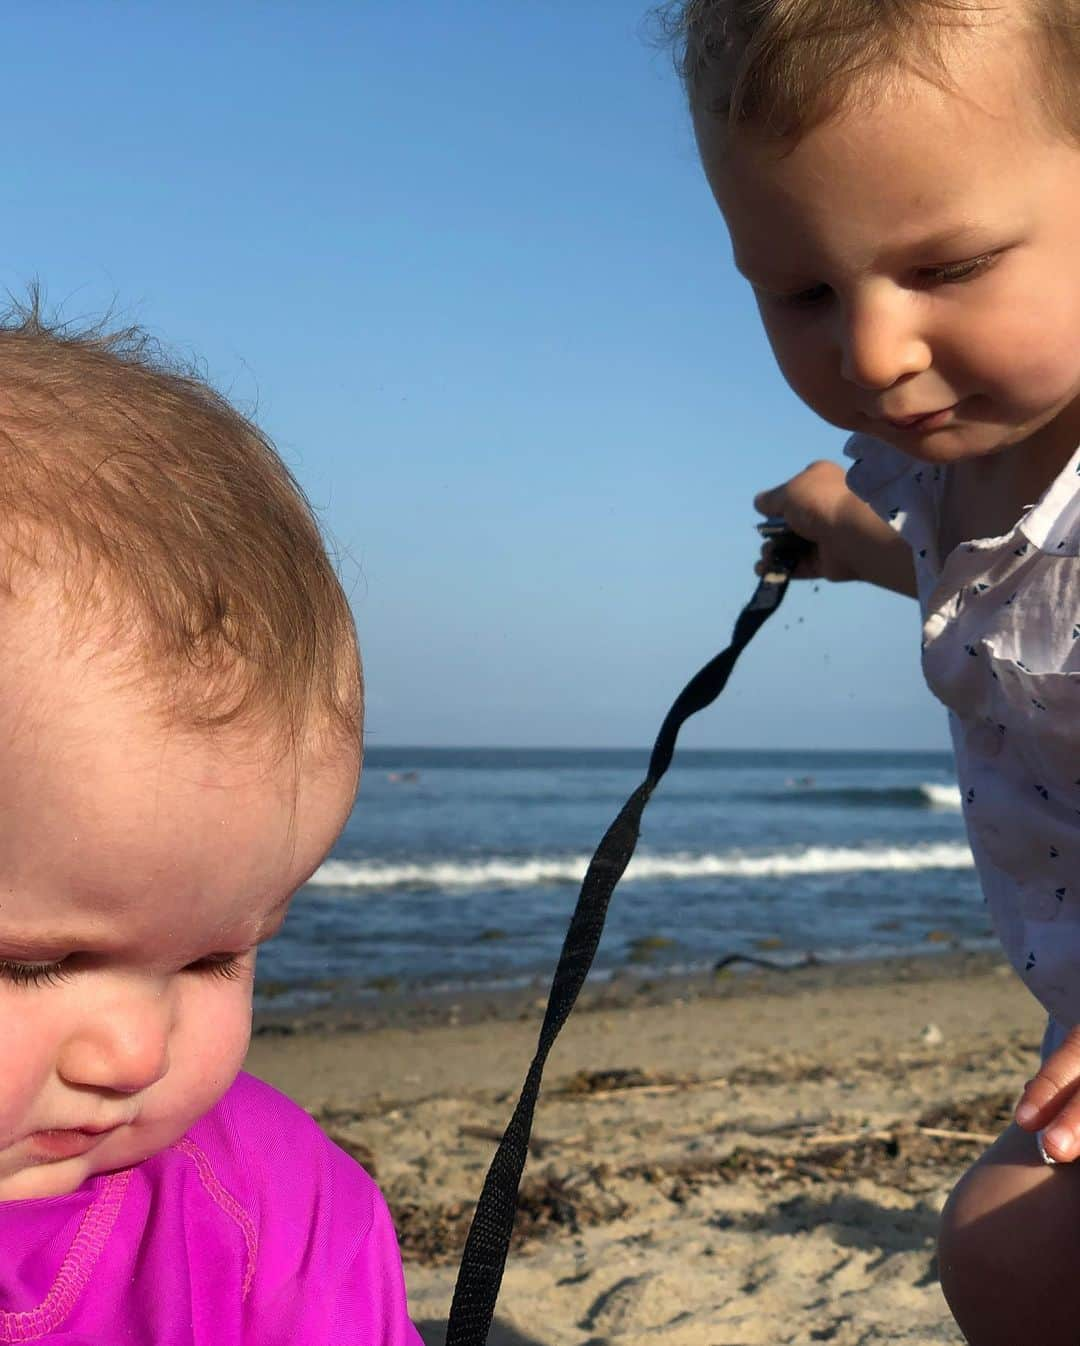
x=638, y=1090
x=980, y=1137
x=811, y=960
x=936, y=1132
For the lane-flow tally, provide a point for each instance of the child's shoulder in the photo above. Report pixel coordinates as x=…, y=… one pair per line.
x=272, y=1155
x=251, y=1101
x=321, y=1253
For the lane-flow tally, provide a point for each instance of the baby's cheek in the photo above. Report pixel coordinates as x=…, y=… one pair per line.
x=811, y=375
x=1053, y=375
x=29, y=1034
x=1030, y=358
x=211, y=1040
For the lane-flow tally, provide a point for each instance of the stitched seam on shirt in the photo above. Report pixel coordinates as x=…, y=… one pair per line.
x=227, y=1203
x=94, y=1228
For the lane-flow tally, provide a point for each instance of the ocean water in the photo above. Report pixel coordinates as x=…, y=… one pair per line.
x=461, y=867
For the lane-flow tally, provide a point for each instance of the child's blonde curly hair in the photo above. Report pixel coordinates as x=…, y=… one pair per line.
x=785, y=66
x=168, y=516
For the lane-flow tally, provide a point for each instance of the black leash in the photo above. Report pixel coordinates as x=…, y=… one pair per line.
x=486, y=1247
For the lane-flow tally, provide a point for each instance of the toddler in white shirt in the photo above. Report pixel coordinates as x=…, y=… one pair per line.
x=901, y=184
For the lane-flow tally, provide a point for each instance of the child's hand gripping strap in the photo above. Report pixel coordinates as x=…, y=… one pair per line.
x=486, y=1247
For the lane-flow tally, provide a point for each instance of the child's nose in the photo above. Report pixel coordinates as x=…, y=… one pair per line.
x=880, y=344
x=125, y=1049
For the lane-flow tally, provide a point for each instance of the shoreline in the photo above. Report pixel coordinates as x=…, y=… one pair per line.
x=747, y=1159
x=417, y=1006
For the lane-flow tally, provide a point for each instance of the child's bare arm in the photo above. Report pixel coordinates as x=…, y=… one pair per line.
x=851, y=542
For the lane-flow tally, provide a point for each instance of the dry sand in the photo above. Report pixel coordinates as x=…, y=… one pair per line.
x=753, y=1159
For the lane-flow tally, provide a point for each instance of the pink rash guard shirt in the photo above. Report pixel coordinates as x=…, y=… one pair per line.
x=251, y=1230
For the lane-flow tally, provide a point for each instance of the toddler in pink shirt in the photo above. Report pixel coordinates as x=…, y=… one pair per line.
x=180, y=720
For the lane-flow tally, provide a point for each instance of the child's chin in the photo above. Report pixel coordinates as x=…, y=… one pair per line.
x=39, y=1181
x=35, y=1175
x=951, y=444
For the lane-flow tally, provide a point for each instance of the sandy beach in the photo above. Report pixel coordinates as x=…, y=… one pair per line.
x=741, y=1159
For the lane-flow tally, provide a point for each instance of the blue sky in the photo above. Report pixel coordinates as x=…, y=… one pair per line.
x=459, y=257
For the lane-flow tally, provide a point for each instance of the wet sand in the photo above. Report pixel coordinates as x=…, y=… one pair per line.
x=742, y=1159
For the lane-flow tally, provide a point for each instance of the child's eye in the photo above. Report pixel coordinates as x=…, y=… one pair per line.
x=229, y=967
x=52, y=974
x=809, y=298
x=954, y=273
x=33, y=974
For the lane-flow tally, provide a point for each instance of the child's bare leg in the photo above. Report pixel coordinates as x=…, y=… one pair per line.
x=1009, y=1248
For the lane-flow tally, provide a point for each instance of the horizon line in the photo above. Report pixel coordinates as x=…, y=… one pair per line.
x=547, y=747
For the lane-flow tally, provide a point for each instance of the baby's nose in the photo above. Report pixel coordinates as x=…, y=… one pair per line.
x=879, y=345
x=124, y=1050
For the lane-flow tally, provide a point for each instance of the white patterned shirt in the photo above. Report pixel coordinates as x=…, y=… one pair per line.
x=1001, y=650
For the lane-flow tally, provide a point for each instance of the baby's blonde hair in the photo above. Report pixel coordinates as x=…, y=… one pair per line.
x=170, y=517
x=785, y=66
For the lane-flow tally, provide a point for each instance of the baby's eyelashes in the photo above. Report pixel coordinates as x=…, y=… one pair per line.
x=955, y=273
x=34, y=974
x=810, y=297
x=229, y=966
x=923, y=277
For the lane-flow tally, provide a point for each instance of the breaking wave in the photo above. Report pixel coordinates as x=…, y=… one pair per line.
x=536, y=871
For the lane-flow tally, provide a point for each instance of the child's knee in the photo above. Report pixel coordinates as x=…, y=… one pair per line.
x=976, y=1251
x=1009, y=1238
x=966, y=1246
x=977, y=1223
x=979, y=1242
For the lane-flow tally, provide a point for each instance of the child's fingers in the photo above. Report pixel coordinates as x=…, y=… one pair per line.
x=1052, y=1100
x=806, y=569
x=765, y=564
x=765, y=502
x=1056, y=1082
x=1061, y=1139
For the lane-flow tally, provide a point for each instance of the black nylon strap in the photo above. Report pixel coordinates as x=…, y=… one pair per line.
x=484, y=1257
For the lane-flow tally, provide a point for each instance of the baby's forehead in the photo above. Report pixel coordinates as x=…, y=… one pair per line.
x=121, y=823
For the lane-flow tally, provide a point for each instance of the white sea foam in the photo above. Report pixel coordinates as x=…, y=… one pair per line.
x=941, y=796
x=533, y=871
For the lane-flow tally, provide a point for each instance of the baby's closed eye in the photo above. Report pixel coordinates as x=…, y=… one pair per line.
x=226, y=965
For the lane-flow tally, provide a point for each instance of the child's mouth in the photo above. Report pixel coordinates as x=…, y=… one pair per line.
x=67, y=1144
x=924, y=420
